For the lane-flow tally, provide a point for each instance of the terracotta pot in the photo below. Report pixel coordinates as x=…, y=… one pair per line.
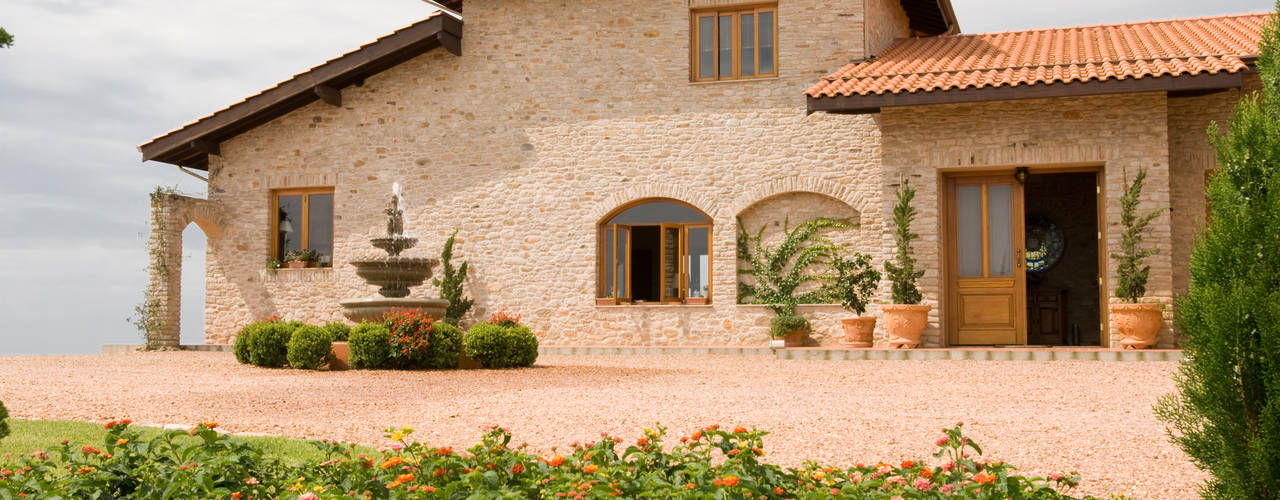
x=794, y=339
x=606, y=301
x=859, y=332
x=903, y=324
x=468, y=363
x=295, y=264
x=695, y=300
x=1138, y=324
x=339, y=354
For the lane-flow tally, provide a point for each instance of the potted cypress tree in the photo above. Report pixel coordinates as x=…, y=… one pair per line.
x=855, y=281
x=1136, y=323
x=905, y=318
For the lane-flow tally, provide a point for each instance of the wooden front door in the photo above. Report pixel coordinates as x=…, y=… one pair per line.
x=987, y=279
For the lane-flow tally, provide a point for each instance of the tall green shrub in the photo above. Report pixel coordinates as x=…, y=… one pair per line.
x=450, y=283
x=902, y=270
x=1226, y=415
x=1131, y=275
x=4, y=421
x=370, y=346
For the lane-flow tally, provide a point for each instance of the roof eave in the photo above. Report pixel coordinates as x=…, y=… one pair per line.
x=190, y=145
x=873, y=103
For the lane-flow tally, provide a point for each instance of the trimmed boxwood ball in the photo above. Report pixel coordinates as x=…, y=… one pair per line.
x=338, y=332
x=268, y=346
x=241, y=348
x=4, y=421
x=309, y=348
x=497, y=346
x=445, y=346
x=370, y=346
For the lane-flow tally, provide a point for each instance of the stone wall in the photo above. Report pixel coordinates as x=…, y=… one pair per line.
x=170, y=216
x=1121, y=133
x=558, y=113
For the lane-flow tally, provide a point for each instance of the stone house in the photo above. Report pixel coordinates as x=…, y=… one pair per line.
x=589, y=149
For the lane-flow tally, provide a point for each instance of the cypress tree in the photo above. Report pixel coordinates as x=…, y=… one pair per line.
x=1226, y=415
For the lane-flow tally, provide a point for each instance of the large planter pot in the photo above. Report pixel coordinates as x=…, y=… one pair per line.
x=903, y=323
x=859, y=332
x=1137, y=324
x=339, y=354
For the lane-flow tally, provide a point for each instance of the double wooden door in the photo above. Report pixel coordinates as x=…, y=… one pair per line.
x=986, y=271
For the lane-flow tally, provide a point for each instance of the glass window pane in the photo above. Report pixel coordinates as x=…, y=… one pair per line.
x=726, y=46
x=747, y=41
x=969, y=229
x=707, y=47
x=320, y=227
x=288, y=225
x=670, y=262
x=608, y=263
x=620, y=262
x=658, y=212
x=766, y=43
x=1000, y=222
x=699, y=262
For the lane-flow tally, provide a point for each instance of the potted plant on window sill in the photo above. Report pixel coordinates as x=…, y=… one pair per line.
x=780, y=271
x=1136, y=323
x=855, y=281
x=695, y=301
x=904, y=319
x=607, y=300
x=299, y=259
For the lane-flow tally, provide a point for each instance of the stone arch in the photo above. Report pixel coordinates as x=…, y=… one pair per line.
x=798, y=184
x=170, y=215
x=652, y=191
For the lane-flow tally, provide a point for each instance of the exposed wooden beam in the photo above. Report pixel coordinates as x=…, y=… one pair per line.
x=873, y=102
x=206, y=147
x=450, y=42
x=329, y=95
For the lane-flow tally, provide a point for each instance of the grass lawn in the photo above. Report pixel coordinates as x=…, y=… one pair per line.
x=26, y=436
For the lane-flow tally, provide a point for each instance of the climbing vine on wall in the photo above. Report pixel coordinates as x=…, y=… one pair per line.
x=146, y=315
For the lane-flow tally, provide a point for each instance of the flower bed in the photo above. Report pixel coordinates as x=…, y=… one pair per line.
x=711, y=463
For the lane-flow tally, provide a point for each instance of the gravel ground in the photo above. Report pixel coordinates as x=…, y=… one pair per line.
x=1091, y=417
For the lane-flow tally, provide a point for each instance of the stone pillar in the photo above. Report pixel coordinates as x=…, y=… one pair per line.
x=164, y=288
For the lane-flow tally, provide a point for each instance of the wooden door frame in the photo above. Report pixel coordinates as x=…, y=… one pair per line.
x=945, y=211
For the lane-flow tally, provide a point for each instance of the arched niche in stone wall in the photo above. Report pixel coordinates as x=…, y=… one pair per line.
x=797, y=207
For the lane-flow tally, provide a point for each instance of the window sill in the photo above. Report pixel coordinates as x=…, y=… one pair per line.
x=304, y=275
x=762, y=306
x=736, y=80
x=654, y=305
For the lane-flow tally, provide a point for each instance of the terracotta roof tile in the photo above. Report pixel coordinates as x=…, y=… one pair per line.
x=1059, y=55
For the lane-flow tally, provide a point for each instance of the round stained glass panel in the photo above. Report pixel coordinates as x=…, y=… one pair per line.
x=1045, y=243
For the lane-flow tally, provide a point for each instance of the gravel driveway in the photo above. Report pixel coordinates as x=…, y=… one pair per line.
x=1092, y=417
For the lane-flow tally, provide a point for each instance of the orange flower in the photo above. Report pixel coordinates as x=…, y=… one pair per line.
x=404, y=478
x=695, y=436
x=739, y=430
x=691, y=486
x=927, y=473
x=778, y=491
x=516, y=469
x=444, y=451
x=439, y=472
x=109, y=425
x=89, y=450
x=590, y=468
x=642, y=442
x=984, y=478
x=729, y=480
x=556, y=461
x=391, y=462
x=85, y=469
x=121, y=441
x=907, y=464
x=211, y=424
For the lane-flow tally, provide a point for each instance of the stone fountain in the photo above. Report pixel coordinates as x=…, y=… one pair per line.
x=393, y=274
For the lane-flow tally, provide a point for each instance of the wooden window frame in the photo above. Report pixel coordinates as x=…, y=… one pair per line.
x=623, y=296
x=736, y=12
x=274, y=229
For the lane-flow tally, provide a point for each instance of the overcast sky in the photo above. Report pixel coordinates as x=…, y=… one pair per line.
x=88, y=80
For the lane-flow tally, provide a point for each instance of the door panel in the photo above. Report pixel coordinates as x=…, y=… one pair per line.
x=985, y=255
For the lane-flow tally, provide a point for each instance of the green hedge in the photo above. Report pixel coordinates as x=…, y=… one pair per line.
x=267, y=344
x=338, y=332
x=445, y=346
x=4, y=421
x=309, y=348
x=370, y=346
x=497, y=346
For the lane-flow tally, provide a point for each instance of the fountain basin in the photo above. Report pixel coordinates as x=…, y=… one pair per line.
x=394, y=275
x=361, y=310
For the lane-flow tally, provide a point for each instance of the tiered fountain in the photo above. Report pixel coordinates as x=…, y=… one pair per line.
x=393, y=274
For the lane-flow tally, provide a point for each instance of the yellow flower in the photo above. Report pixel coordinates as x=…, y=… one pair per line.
x=396, y=436
x=406, y=429
x=317, y=489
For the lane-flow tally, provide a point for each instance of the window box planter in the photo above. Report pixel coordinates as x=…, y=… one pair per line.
x=297, y=264
x=606, y=301
x=695, y=301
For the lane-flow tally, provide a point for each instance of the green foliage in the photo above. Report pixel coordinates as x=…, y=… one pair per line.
x=1131, y=275
x=450, y=283
x=6, y=40
x=241, y=347
x=856, y=280
x=445, y=347
x=1226, y=414
x=711, y=463
x=268, y=344
x=498, y=346
x=779, y=272
x=370, y=346
x=307, y=255
x=309, y=348
x=4, y=421
x=902, y=270
x=780, y=326
x=338, y=332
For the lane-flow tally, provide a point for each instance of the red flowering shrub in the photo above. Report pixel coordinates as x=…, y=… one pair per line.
x=418, y=341
x=504, y=319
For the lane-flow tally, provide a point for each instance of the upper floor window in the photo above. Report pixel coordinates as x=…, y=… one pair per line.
x=658, y=251
x=735, y=43
x=303, y=221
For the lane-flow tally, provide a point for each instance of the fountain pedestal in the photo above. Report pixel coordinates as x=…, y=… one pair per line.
x=373, y=309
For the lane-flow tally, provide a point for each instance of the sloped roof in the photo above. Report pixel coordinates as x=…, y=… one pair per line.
x=1047, y=57
x=190, y=144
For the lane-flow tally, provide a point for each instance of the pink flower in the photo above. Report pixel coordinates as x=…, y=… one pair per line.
x=308, y=496
x=946, y=488
x=396, y=446
x=942, y=441
x=923, y=484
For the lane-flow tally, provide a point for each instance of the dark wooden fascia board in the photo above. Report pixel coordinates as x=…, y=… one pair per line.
x=353, y=68
x=873, y=102
x=329, y=95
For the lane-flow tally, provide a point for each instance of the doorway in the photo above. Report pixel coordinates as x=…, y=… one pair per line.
x=1022, y=258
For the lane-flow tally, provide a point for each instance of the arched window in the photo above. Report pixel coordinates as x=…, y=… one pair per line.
x=655, y=251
